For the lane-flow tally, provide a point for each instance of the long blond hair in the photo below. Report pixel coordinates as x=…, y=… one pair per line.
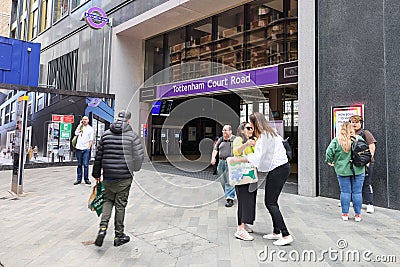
x=344, y=138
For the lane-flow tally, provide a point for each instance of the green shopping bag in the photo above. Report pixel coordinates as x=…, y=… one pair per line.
x=96, y=198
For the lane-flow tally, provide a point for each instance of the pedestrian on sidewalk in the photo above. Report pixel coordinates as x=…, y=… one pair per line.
x=270, y=157
x=60, y=154
x=215, y=169
x=35, y=152
x=17, y=145
x=338, y=155
x=119, y=154
x=367, y=192
x=246, y=193
x=84, y=143
x=224, y=149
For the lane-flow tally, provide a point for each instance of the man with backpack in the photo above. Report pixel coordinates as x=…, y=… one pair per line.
x=357, y=121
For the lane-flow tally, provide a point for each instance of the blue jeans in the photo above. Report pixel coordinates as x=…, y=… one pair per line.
x=83, y=157
x=224, y=179
x=351, y=190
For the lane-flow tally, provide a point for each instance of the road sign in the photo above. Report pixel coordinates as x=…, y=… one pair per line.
x=68, y=119
x=56, y=118
x=65, y=130
x=62, y=118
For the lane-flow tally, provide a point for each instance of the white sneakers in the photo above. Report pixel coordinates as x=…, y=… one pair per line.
x=357, y=218
x=272, y=236
x=280, y=241
x=244, y=235
x=283, y=241
x=370, y=209
x=345, y=216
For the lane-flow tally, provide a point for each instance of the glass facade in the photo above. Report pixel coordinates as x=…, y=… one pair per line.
x=254, y=35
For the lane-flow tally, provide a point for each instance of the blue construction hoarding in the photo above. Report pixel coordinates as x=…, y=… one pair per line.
x=19, y=62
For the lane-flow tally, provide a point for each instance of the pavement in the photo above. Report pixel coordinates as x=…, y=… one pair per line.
x=180, y=220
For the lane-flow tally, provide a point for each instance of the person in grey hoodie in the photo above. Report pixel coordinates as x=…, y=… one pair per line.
x=119, y=154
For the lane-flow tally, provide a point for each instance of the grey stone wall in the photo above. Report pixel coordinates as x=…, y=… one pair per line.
x=358, y=63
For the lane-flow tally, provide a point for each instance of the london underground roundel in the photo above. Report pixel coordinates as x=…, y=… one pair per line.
x=96, y=17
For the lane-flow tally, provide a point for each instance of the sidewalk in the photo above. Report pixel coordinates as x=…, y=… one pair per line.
x=179, y=221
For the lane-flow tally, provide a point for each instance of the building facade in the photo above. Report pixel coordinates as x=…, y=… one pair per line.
x=175, y=65
x=5, y=11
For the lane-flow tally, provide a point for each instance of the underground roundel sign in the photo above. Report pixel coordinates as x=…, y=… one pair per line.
x=96, y=17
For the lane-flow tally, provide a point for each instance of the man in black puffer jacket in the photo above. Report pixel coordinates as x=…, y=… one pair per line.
x=119, y=154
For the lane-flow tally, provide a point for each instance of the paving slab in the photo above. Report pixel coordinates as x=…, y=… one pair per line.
x=177, y=220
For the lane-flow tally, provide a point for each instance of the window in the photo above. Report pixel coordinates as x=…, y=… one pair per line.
x=62, y=71
x=76, y=3
x=60, y=9
x=46, y=15
x=2, y=116
x=39, y=101
x=176, y=50
x=35, y=23
x=13, y=110
x=257, y=34
x=7, y=116
x=154, y=61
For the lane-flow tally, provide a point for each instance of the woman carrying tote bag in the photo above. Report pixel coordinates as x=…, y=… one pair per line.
x=246, y=193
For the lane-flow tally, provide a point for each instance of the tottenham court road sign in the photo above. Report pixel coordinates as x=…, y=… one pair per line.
x=96, y=17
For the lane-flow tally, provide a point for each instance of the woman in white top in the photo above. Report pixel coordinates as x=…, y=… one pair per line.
x=270, y=157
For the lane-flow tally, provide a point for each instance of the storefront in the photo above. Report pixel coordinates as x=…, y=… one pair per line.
x=218, y=71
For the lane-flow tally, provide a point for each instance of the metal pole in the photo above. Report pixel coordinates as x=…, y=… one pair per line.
x=22, y=144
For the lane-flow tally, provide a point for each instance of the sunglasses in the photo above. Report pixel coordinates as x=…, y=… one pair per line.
x=249, y=128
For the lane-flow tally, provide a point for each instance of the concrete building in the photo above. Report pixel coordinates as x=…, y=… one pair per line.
x=5, y=11
x=192, y=58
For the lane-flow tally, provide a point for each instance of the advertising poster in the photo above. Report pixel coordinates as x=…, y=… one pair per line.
x=341, y=114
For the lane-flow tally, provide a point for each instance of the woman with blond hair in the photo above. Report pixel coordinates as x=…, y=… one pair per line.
x=338, y=155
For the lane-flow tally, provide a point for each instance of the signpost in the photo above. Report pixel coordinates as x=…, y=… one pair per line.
x=20, y=131
x=65, y=127
x=65, y=130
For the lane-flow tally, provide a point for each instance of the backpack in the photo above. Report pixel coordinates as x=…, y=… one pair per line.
x=360, y=154
x=287, y=148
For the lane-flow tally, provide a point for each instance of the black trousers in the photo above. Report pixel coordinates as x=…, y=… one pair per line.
x=275, y=181
x=368, y=193
x=246, y=195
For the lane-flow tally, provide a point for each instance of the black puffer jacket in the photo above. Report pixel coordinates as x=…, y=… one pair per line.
x=119, y=153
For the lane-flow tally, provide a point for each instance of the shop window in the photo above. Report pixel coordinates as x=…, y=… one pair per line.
x=60, y=9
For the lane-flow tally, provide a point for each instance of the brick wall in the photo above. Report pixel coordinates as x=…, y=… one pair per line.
x=5, y=11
